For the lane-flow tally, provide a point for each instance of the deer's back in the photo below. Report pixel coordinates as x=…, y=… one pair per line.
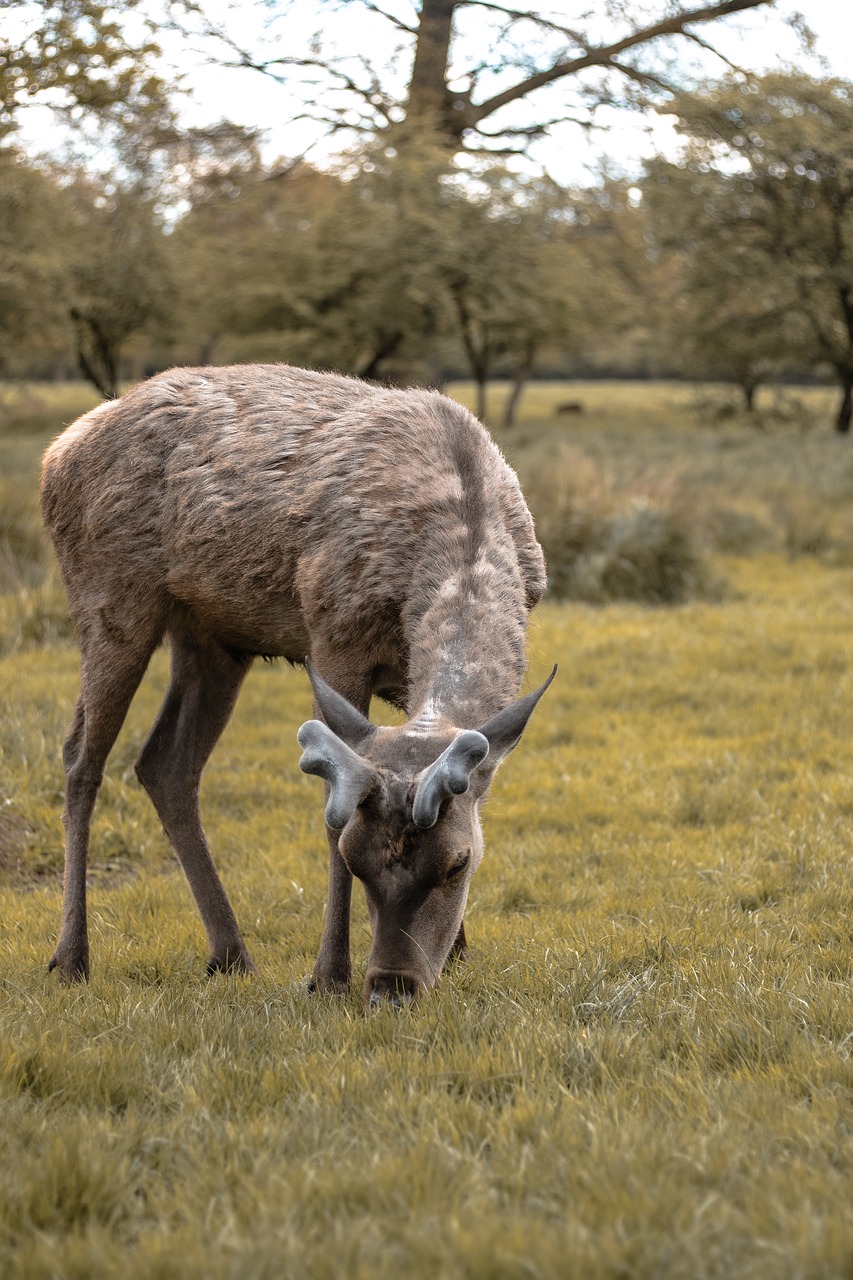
x=268, y=502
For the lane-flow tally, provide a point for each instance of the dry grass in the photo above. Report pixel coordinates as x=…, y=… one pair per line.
x=733, y=490
x=645, y=1070
x=635, y=495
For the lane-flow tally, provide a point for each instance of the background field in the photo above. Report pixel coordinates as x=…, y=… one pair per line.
x=646, y=1067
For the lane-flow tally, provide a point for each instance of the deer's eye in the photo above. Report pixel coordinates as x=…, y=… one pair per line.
x=456, y=868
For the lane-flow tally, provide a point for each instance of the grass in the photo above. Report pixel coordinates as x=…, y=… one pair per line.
x=645, y=1069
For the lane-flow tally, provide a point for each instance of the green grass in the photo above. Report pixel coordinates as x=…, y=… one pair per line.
x=645, y=1069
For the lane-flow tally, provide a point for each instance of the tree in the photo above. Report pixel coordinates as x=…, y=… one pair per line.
x=401, y=264
x=251, y=267
x=118, y=274
x=762, y=203
x=337, y=270
x=33, y=223
x=83, y=267
x=622, y=281
x=387, y=252
x=547, y=69
x=723, y=315
x=509, y=272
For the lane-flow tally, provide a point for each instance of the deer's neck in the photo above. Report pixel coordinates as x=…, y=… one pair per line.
x=467, y=649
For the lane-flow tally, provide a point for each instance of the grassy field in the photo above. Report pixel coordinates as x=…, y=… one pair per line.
x=645, y=1069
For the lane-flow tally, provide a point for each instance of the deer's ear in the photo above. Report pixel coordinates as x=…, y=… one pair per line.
x=504, y=730
x=341, y=716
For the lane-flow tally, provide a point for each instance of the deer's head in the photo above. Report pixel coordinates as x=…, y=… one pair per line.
x=407, y=806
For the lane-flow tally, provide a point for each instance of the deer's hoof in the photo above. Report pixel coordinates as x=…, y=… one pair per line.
x=70, y=966
x=231, y=962
x=334, y=985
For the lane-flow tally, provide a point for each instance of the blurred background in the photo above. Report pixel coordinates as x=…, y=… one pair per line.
x=421, y=192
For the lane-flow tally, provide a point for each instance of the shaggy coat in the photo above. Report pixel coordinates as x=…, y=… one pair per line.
x=267, y=510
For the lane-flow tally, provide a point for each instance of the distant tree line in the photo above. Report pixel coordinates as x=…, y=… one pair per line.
x=733, y=262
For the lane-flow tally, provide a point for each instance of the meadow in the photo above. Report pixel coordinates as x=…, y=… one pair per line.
x=645, y=1068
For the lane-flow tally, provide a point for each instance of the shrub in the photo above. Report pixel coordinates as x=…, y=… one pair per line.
x=648, y=555
x=602, y=544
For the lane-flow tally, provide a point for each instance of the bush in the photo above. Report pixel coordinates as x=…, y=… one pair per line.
x=603, y=545
x=648, y=555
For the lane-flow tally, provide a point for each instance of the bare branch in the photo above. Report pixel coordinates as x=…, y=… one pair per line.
x=460, y=114
x=522, y=15
x=709, y=48
x=474, y=150
x=372, y=95
x=604, y=54
x=641, y=77
x=389, y=17
x=535, y=130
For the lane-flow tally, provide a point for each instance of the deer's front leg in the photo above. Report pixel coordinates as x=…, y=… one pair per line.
x=333, y=969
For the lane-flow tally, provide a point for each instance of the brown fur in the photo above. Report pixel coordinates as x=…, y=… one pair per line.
x=269, y=510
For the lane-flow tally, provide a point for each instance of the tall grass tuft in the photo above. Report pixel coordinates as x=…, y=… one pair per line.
x=23, y=546
x=605, y=543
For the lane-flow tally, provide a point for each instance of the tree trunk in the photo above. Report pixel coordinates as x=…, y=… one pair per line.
x=481, y=383
x=477, y=349
x=523, y=370
x=428, y=95
x=845, y=367
x=96, y=355
x=388, y=347
x=208, y=346
x=749, y=389
x=845, y=409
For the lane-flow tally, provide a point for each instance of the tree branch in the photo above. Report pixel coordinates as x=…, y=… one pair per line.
x=522, y=15
x=371, y=95
x=640, y=77
x=604, y=54
x=389, y=17
x=709, y=48
x=534, y=130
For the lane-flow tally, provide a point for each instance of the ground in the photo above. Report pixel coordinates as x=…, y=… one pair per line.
x=645, y=1069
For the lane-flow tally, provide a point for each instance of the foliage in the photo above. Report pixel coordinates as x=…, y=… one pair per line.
x=401, y=265
x=32, y=264
x=391, y=246
x=658, y=1001
x=333, y=270
x=83, y=58
x=512, y=275
x=387, y=267
x=85, y=267
x=118, y=275
x=762, y=206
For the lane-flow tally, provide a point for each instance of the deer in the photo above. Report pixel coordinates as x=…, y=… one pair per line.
x=375, y=536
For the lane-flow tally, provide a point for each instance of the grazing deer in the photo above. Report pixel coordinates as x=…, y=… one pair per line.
x=269, y=510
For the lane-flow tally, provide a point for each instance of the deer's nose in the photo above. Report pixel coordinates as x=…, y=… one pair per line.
x=396, y=989
x=399, y=999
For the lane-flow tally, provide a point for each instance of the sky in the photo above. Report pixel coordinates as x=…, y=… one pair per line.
x=759, y=40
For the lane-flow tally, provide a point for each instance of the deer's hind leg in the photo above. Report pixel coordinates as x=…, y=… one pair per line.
x=111, y=668
x=206, y=680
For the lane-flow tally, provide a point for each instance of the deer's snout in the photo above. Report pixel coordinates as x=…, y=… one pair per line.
x=398, y=989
